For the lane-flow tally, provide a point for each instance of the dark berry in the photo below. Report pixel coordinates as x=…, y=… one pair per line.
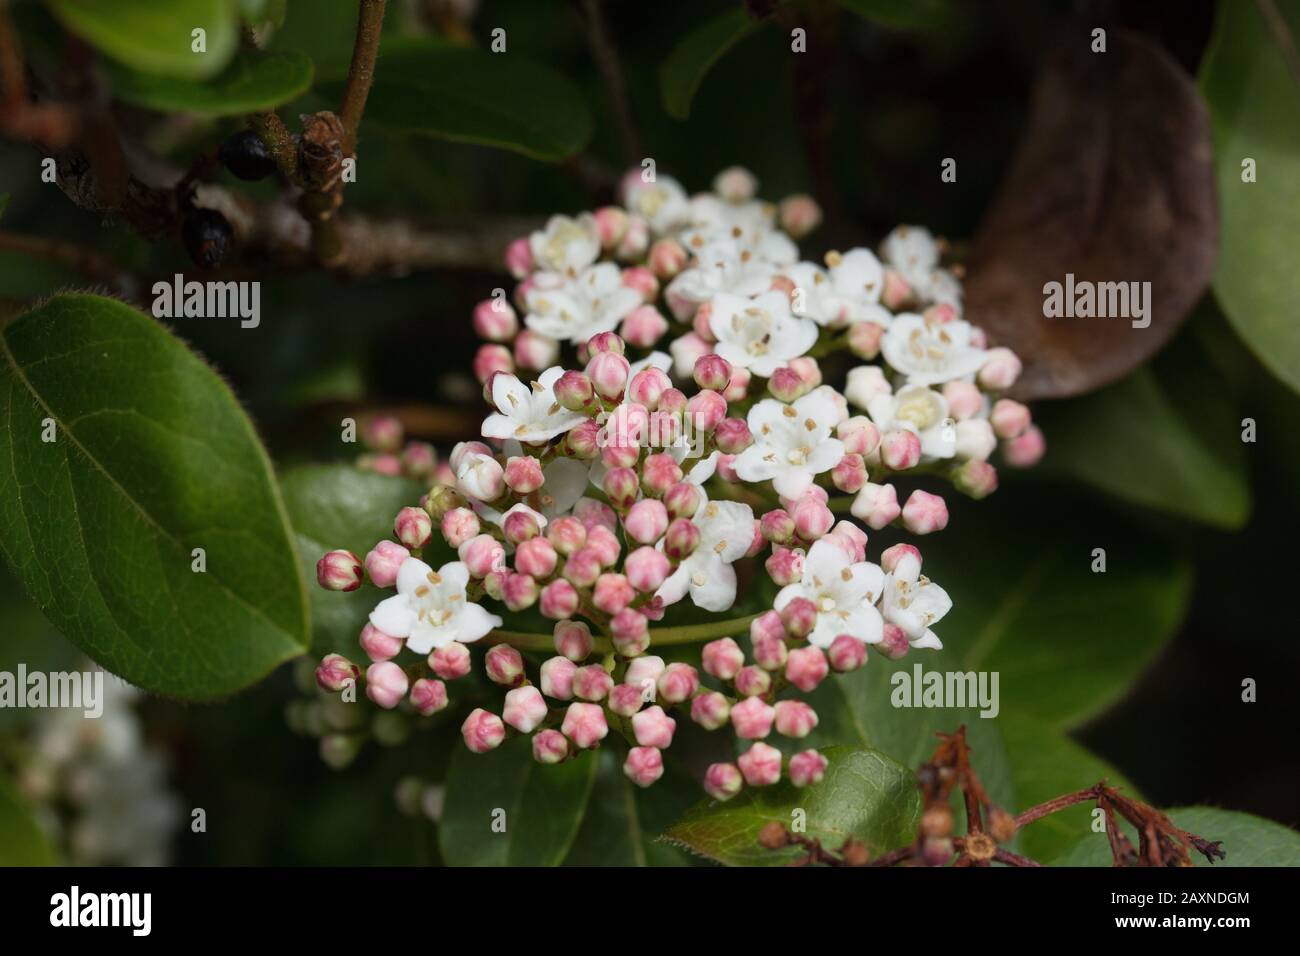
x=207, y=236
x=245, y=155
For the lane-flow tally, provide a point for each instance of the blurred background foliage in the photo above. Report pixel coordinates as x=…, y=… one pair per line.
x=1135, y=674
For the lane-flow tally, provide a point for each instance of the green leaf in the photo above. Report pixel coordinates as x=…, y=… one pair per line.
x=22, y=841
x=253, y=81
x=623, y=821
x=904, y=14
x=1065, y=641
x=325, y=30
x=430, y=88
x=1255, y=103
x=152, y=458
x=694, y=55
x=28, y=638
x=865, y=795
x=1248, y=840
x=339, y=506
x=503, y=808
x=1164, y=438
x=1047, y=764
x=156, y=37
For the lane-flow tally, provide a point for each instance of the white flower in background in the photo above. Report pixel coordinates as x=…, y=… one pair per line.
x=528, y=413
x=922, y=411
x=662, y=203
x=430, y=608
x=574, y=310
x=566, y=245
x=792, y=443
x=759, y=334
x=563, y=482
x=913, y=252
x=726, y=532
x=913, y=602
x=714, y=217
x=725, y=264
x=975, y=439
x=930, y=353
x=843, y=591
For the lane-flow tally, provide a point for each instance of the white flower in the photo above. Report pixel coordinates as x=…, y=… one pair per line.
x=725, y=264
x=759, y=334
x=914, y=602
x=430, y=609
x=479, y=476
x=930, y=354
x=566, y=245
x=975, y=439
x=848, y=292
x=792, y=443
x=844, y=592
x=864, y=383
x=662, y=203
x=913, y=252
x=574, y=310
x=726, y=532
x=528, y=414
x=922, y=411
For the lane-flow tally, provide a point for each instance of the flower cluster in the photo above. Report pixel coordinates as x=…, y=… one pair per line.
x=622, y=480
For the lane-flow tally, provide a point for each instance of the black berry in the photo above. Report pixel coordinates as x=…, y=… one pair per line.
x=207, y=236
x=245, y=155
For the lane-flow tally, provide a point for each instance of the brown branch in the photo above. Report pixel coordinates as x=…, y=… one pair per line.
x=361, y=72
x=89, y=262
x=605, y=55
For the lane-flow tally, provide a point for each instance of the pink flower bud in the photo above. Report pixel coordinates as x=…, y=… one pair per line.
x=491, y=359
x=549, y=747
x=606, y=342
x=608, y=372
x=896, y=291
x=559, y=599
x=850, y=474
x=612, y=593
x=519, y=591
x=602, y=541
x=644, y=282
x=626, y=699
x=524, y=709
x=380, y=464
x=519, y=258
x=1000, y=370
x=643, y=766
x=723, y=658
x=760, y=765
x=924, y=513
x=735, y=184
x=682, y=500
x=653, y=728
x=812, y=519
x=585, y=725
x=643, y=672
x=1025, y=449
x=767, y=625
x=667, y=258
x=520, y=524
x=807, y=768
x=335, y=672
x=673, y=401
x=495, y=320
x=784, y=566
x=534, y=351
x=681, y=539
x=504, y=665
x=629, y=632
x=418, y=458
x=481, y=477
x=482, y=731
x=482, y=554
x=592, y=683
x=582, y=567
x=722, y=781
x=794, y=718
x=894, y=644
x=450, y=661
x=621, y=487
x=386, y=684
x=891, y=556
x=413, y=527
x=738, y=385
x=635, y=241
x=712, y=372
x=976, y=478
x=428, y=696
x=382, y=564
x=864, y=339
x=964, y=399
x=806, y=367
x=557, y=677
x=876, y=505
x=799, y=215
x=753, y=681
x=732, y=436
x=678, y=682
x=777, y=526
x=537, y=557
x=378, y=645
x=646, y=569
x=786, y=385
x=710, y=710
x=646, y=521
x=846, y=653
x=769, y=652
x=1009, y=418
x=852, y=538
x=340, y=571
x=573, y=640
x=566, y=534
x=611, y=224
x=806, y=667
x=647, y=386
x=706, y=409
x=799, y=617
x=382, y=433
x=458, y=526
x=900, y=449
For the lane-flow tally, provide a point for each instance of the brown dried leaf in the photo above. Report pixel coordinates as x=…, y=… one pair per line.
x=1113, y=181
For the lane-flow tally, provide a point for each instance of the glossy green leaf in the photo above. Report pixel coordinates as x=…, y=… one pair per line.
x=864, y=795
x=905, y=14
x=1255, y=103
x=152, y=458
x=503, y=808
x=28, y=638
x=1046, y=764
x=253, y=81
x=339, y=506
x=694, y=55
x=22, y=841
x=156, y=37
x=430, y=88
x=1248, y=840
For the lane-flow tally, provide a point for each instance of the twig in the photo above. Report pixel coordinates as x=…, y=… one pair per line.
x=611, y=73
x=361, y=72
x=1277, y=26
x=89, y=262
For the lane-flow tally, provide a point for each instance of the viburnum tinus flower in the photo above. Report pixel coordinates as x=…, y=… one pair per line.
x=692, y=430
